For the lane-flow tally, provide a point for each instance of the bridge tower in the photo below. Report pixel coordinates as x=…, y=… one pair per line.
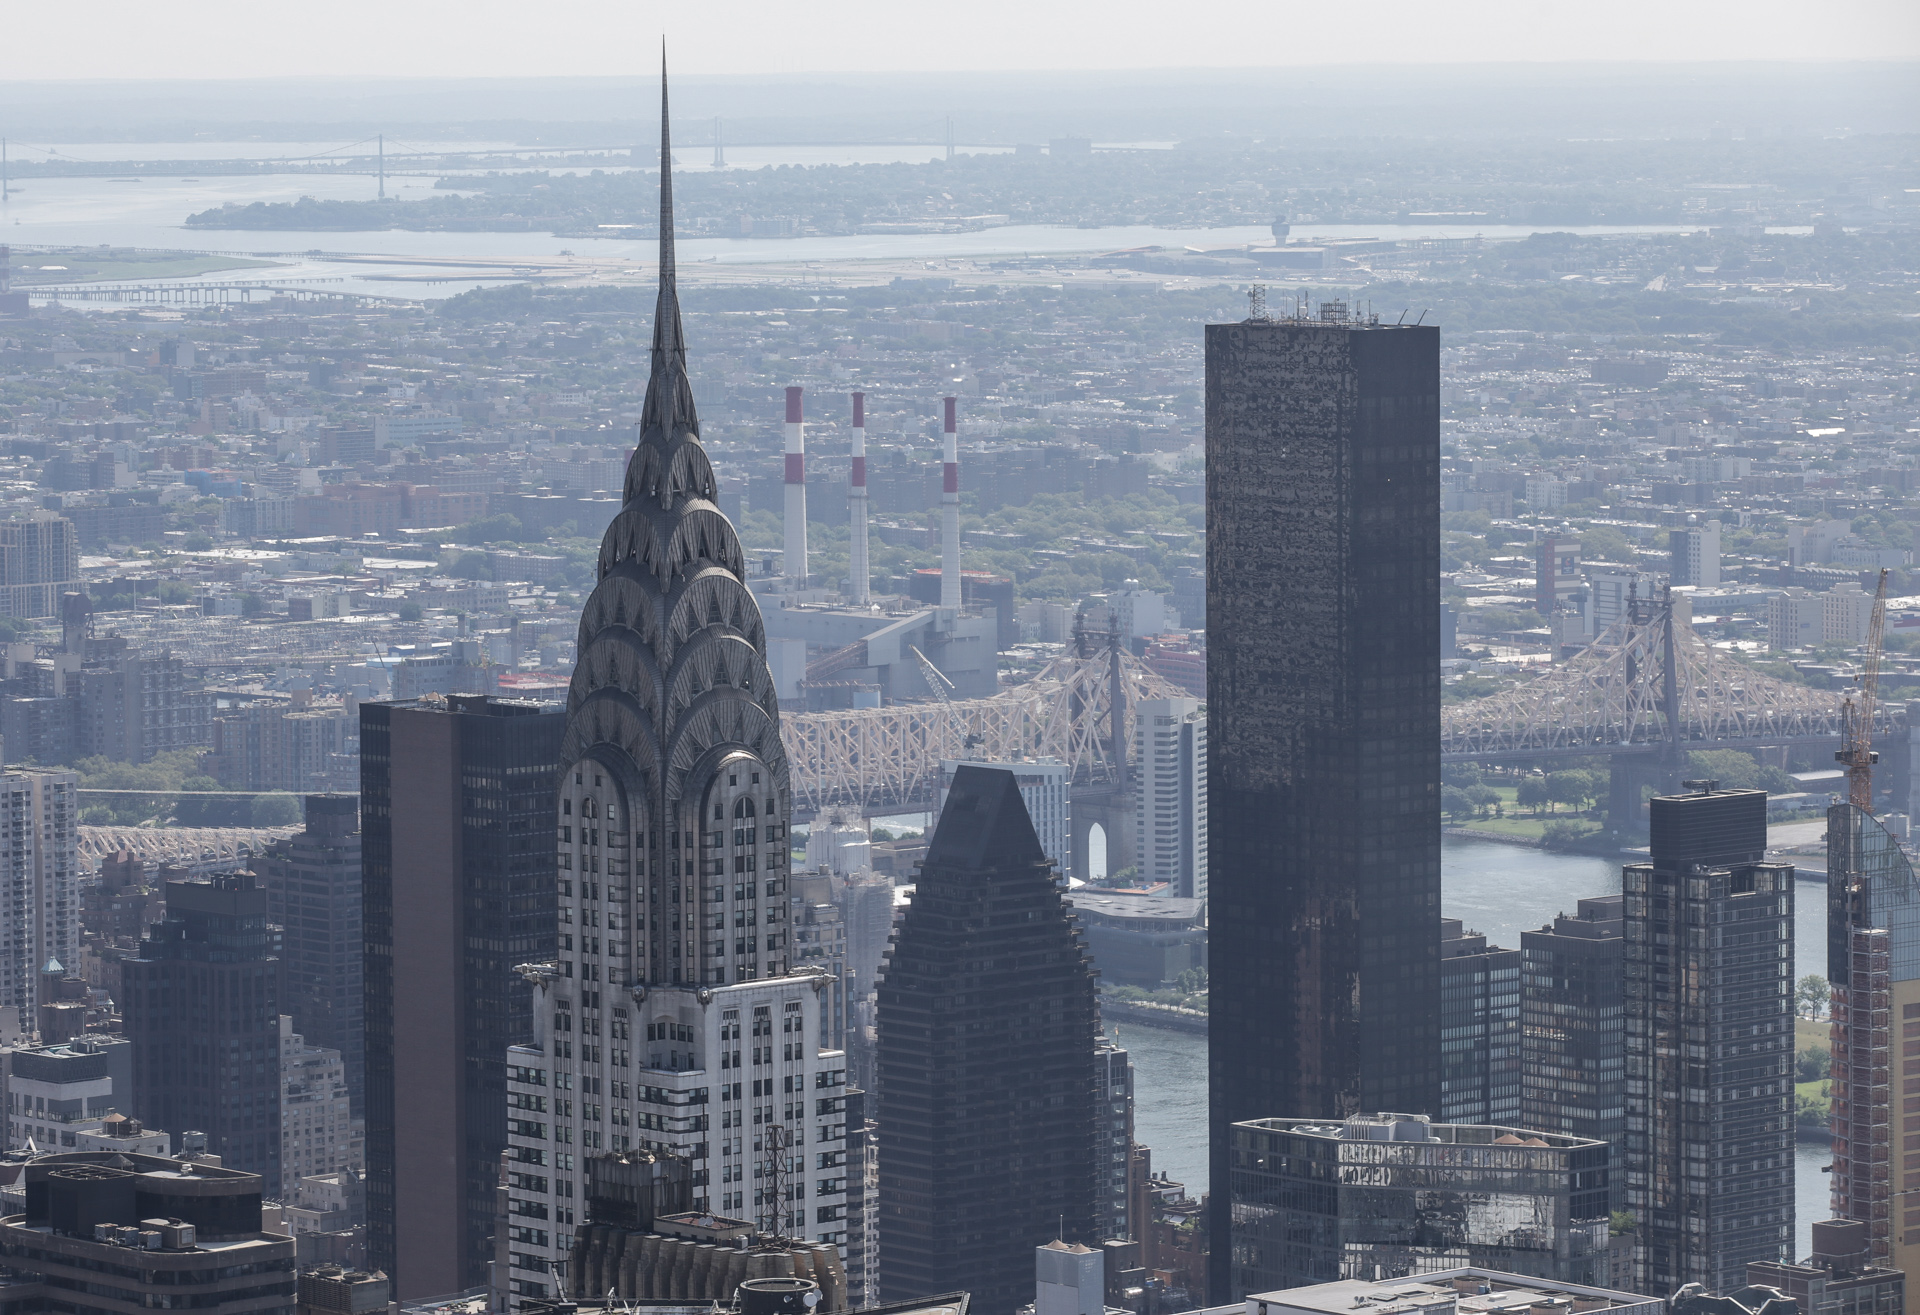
x=1634, y=777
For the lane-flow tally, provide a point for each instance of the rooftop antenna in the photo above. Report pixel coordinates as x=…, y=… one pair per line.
x=778, y=1140
x=1403, y=317
x=1423, y=316
x=1257, y=302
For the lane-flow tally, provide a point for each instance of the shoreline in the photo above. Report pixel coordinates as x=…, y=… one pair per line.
x=1146, y=1014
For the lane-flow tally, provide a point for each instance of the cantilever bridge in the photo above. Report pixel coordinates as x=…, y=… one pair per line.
x=1647, y=689
x=876, y=760
x=1648, y=683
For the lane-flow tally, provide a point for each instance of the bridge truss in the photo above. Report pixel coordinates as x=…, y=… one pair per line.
x=1646, y=682
x=874, y=759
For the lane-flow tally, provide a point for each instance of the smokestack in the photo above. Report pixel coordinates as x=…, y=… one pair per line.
x=796, y=554
x=950, y=514
x=857, y=567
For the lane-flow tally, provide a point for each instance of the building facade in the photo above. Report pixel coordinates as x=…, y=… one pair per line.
x=457, y=801
x=1323, y=579
x=1479, y=1028
x=1388, y=1195
x=989, y=1140
x=106, y=1232
x=201, y=1004
x=318, y=1134
x=1573, y=1027
x=1839, y=1278
x=1694, y=554
x=39, y=882
x=676, y=1012
x=313, y=893
x=1170, y=795
x=39, y=561
x=1113, y=1104
x=58, y=1094
x=1709, y=1042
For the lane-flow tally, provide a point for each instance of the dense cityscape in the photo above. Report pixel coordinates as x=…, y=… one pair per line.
x=464, y=704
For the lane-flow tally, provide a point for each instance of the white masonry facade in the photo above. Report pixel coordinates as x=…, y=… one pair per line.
x=39, y=882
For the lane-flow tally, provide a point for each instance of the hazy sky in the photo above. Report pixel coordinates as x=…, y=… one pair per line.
x=239, y=38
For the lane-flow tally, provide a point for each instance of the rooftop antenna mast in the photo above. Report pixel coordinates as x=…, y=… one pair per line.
x=778, y=1140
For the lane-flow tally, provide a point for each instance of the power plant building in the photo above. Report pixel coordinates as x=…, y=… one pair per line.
x=1323, y=570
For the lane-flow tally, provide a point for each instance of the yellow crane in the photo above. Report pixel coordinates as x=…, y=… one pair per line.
x=1856, y=753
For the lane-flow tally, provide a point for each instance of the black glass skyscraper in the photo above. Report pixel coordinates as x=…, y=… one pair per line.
x=1709, y=1042
x=313, y=894
x=202, y=1011
x=988, y=1032
x=457, y=802
x=1573, y=1028
x=1323, y=579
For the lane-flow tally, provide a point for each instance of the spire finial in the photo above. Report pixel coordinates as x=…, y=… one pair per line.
x=666, y=325
x=669, y=406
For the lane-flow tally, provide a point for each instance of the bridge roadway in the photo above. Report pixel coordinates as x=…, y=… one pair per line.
x=1642, y=747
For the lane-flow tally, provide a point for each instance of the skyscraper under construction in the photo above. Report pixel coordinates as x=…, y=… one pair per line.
x=988, y=1032
x=1323, y=568
x=1873, y=966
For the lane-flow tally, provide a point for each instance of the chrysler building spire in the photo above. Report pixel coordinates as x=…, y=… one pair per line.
x=673, y=731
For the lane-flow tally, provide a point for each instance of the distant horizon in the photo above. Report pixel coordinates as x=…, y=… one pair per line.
x=651, y=78
x=1609, y=98
x=757, y=38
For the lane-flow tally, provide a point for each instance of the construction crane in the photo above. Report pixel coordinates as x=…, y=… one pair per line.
x=1856, y=753
x=943, y=690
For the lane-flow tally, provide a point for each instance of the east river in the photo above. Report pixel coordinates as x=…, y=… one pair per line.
x=1501, y=890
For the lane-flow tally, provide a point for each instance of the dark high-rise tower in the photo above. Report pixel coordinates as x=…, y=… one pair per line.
x=1573, y=1032
x=457, y=839
x=1709, y=1042
x=313, y=893
x=203, y=1014
x=988, y=1036
x=1323, y=788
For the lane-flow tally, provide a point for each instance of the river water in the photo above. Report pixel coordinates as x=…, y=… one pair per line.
x=1501, y=890
x=149, y=212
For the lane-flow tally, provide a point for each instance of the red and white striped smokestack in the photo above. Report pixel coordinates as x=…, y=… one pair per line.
x=858, y=571
x=950, y=513
x=796, y=553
